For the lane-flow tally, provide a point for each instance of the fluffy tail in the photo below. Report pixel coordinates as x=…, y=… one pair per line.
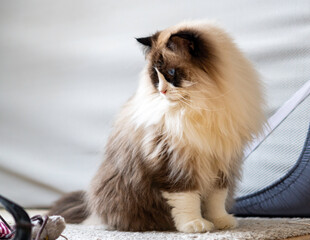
x=72, y=206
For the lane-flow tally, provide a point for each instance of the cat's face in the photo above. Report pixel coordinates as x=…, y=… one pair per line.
x=176, y=62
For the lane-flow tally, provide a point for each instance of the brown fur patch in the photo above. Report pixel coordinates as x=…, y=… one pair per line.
x=222, y=181
x=125, y=192
x=72, y=206
x=185, y=49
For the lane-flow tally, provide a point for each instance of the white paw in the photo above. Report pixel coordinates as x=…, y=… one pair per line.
x=225, y=222
x=198, y=225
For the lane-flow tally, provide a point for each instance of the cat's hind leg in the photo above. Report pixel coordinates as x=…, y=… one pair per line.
x=186, y=212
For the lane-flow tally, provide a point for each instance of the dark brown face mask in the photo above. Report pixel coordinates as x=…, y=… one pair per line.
x=23, y=226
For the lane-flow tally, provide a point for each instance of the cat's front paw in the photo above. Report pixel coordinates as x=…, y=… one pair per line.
x=198, y=225
x=225, y=222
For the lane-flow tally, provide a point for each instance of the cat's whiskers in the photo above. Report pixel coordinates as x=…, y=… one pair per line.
x=202, y=97
x=210, y=98
x=189, y=84
x=186, y=102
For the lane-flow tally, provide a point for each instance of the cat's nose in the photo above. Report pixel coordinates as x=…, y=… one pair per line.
x=163, y=91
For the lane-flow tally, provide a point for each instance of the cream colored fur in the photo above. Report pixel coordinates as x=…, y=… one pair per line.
x=216, y=211
x=186, y=212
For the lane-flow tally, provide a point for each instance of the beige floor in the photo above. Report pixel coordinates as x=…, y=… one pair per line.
x=32, y=212
x=299, y=238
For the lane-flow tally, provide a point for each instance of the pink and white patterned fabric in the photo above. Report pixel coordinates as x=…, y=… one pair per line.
x=4, y=230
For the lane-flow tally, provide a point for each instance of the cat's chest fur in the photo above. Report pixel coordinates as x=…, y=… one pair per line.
x=207, y=132
x=193, y=137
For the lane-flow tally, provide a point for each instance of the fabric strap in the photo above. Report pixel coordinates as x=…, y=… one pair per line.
x=281, y=114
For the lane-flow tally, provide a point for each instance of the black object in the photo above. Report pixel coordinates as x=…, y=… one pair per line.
x=287, y=197
x=22, y=220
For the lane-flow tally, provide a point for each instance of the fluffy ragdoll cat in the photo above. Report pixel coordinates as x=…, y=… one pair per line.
x=175, y=151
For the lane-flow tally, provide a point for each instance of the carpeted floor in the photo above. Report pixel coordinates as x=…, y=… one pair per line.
x=249, y=229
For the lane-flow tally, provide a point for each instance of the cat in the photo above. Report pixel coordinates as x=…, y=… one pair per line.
x=175, y=152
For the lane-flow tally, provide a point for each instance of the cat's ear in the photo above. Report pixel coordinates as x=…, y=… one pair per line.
x=187, y=43
x=145, y=41
x=148, y=42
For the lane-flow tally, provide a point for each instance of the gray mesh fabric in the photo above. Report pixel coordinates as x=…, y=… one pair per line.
x=278, y=153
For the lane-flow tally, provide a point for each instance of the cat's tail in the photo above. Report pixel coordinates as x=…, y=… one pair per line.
x=72, y=206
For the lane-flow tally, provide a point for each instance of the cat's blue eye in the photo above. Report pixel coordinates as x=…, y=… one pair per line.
x=171, y=71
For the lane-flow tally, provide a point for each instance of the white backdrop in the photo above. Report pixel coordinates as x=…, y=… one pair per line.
x=66, y=67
